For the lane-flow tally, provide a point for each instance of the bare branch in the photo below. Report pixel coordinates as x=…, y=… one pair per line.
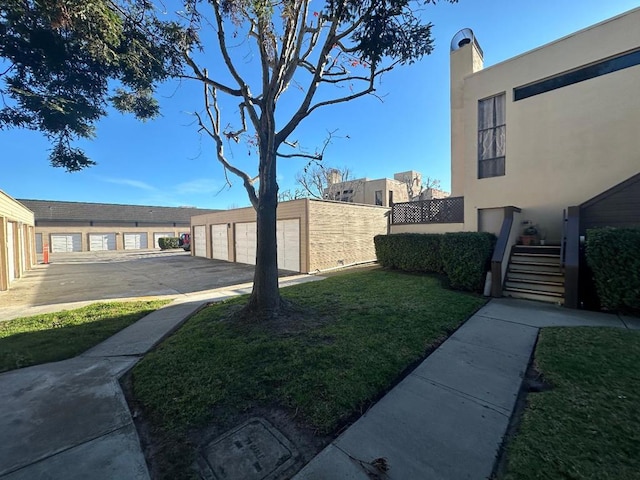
x=244, y=88
x=299, y=155
x=303, y=111
x=203, y=78
x=214, y=132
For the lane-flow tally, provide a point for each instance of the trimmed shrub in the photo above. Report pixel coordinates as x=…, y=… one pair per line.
x=168, y=242
x=412, y=252
x=466, y=257
x=613, y=254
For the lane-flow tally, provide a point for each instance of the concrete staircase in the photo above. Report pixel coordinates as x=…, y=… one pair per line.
x=535, y=273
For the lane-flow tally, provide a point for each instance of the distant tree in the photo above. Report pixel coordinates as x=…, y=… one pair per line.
x=327, y=183
x=291, y=194
x=59, y=60
x=417, y=186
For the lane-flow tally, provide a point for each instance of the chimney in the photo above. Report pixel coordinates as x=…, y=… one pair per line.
x=466, y=58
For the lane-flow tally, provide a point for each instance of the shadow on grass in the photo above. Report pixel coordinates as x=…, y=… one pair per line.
x=59, y=342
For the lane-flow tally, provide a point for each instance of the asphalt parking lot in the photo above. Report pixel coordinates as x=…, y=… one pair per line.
x=91, y=276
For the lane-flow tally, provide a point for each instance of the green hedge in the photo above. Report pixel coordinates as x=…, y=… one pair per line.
x=412, y=252
x=464, y=257
x=613, y=254
x=168, y=242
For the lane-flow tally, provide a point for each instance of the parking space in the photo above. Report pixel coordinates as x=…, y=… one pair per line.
x=91, y=276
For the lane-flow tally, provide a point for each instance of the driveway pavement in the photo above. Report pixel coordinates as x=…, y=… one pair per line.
x=74, y=279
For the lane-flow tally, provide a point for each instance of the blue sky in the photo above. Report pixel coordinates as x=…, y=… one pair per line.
x=166, y=162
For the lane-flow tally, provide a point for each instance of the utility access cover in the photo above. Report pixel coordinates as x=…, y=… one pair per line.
x=255, y=450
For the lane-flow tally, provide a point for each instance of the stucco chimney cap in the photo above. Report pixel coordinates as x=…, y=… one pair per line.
x=464, y=37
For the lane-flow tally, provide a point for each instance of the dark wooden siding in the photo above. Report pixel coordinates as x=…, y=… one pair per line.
x=617, y=207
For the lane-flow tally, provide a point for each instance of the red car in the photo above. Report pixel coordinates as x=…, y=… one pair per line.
x=185, y=241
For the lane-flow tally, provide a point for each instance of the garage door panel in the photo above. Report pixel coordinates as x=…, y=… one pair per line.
x=287, y=238
x=288, y=235
x=158, y=236
x=38, y=243
x=135, y=241
x=11, y=251
x=199, y=241
x=219, y=242
x=63, y=243
x=246, y=243
x=102, y=241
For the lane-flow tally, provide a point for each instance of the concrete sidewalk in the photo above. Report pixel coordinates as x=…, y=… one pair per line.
x=69, y=420
x=446, y=420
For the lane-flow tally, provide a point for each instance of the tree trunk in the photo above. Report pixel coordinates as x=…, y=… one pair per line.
x=265, y=297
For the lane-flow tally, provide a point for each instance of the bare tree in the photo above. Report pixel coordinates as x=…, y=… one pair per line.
x=418, y=188
x=315, y=56
x=327, y=183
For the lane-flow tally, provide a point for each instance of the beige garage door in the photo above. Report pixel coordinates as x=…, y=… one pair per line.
x=11, y=252
x=38, y=243
x=219, y=242
x=102, y=241
x=246, y=243
x=135, y=241
x=199, y=241
x=66, y=242
x=158, y=236
x=288, y=238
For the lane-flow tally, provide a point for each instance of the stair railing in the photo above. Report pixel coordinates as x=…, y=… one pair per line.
x=571, y=257
x=507, y=238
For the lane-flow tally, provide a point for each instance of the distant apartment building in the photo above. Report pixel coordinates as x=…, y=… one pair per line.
x=404, y=187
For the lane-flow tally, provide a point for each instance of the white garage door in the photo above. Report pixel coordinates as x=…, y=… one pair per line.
x=246, y=243
x=135, y=241
x=23, y=248
x=199, y=241
x=219, y=242
x=38, y=243
x=158, y=236
x=102, y=241
x=70, y=242
x=288, y=238
x=11, y=253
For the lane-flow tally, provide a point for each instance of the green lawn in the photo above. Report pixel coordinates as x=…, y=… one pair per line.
x=588, y=425
x=57, y=336
x=353, y=335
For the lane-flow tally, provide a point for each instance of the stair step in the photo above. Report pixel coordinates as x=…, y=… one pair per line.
x=531, y=258
x=517, y=274
x=534, y=266
x=550, y=249
x=522, y=261
x=550, y=288
x=536, y=255
x=524, y=293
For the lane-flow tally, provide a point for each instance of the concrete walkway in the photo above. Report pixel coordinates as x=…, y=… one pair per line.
x=69, y=420
x=446, y=420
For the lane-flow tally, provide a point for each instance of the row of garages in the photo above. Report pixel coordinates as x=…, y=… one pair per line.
x=17, y=253
x=57, y=242
x=311, y=235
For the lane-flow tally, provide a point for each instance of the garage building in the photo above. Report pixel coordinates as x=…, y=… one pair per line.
x=312, y=235
x=17, y=244
x=81, y=227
